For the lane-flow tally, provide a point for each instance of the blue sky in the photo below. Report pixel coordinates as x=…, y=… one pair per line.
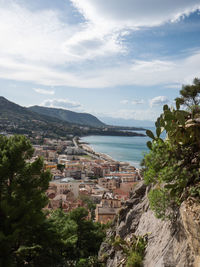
x=120, y=60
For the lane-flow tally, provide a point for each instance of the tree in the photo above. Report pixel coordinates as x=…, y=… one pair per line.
x=90, y=205
x=22, y=197
x=172, y=165
x=190, y=95
x=29, y=236
x=89, y=234
x=60, y=167
x=80, y=238
x=66, y=230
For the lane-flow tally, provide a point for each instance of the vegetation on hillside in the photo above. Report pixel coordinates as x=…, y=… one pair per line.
x=29, y=236
x=20, y=120
x=69, y=116
x=132, y=249
x=172, y=167
x=15, y=119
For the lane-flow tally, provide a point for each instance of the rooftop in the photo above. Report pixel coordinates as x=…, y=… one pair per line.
x=66, y=180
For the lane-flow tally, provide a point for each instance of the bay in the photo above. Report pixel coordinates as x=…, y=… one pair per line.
x=121, y=148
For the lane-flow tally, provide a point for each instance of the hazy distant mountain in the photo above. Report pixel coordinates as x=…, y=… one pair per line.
x=69, y=116
x=127, y=122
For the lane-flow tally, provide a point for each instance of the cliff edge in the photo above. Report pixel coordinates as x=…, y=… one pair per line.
x=168, y=244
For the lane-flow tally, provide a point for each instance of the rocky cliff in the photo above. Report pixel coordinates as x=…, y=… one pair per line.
x=169, y=244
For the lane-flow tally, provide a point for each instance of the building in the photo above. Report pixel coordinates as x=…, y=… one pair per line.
x=108, y=208
x=50, y=165
x=109, y=183
x=66, y=184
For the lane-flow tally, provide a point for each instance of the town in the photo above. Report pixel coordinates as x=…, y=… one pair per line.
x=83, y=177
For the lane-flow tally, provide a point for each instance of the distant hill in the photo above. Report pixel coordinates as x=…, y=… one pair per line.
x=69, y=116
x=14, y=112
x=22, y=120
x=17, y=119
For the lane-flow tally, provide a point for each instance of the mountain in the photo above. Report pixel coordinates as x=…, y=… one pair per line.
x=21, y=120
x=69, y=116
x=81, y=118
x=15, y=119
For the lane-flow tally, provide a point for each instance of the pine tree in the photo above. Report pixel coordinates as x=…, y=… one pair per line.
x=22, y=198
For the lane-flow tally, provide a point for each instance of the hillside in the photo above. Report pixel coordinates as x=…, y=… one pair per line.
x=159, y=225
x=69, y=116
x=21, y=120
x=168, y=243
x=17, y=119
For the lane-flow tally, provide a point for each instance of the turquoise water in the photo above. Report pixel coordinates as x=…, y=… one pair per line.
x=122, y=148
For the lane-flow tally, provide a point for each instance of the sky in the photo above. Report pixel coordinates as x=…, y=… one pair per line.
x=120, y=60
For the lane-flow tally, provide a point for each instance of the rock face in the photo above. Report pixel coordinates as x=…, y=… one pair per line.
x=170, y=244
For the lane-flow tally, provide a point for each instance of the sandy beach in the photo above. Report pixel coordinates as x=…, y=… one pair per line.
x=89, y=149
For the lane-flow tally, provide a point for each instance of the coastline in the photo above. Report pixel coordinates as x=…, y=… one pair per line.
x=88, y=149
x=99, y=155
x=121, y=149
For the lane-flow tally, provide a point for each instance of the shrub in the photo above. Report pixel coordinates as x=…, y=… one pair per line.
x=172, y=166
x=134, y=260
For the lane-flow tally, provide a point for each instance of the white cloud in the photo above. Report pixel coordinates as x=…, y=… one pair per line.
x=137, y=101
x=118, y=14
x=33, y=36
x=173, y=86
x=107, y=22
x=133, y=102
x=140, y=73
x=148, y=73
x=158, y=100
x=91, y=42
x=37, y=46
x=61, y=103
x=43, y=91
x=124, y=102
x=42, y=37
x=134, y=114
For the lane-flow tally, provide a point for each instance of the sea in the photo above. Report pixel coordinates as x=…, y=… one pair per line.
x=121, y=148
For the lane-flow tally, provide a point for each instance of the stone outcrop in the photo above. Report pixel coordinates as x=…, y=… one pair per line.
x=190, y=215
x=170, y=244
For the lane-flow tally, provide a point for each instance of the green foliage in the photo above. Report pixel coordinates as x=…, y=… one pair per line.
x=134, y=249
x=150, y=134
x=60, y=167
x=82, y=263
x=172, y=165
x=119, y=243
x=80, y=238
x=159, y=202
x=134, y=260
x=189, y=94
x=22, y=197
x=136, y=253
x=90, y=205
x=27, y=235
x=66, y=230
x=90, y=262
